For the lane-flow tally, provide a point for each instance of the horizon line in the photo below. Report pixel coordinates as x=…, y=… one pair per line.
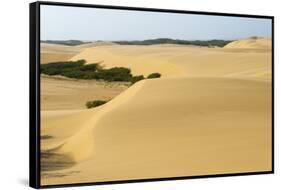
x=156, y=39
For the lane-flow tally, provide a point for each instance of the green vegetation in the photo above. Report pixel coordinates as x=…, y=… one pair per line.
x=95, y=103
x=65, y=42
x=60, y=68
x=154, y=75
x=208, y=43
x=78, y=70
x=254, y=37
x=91, y=67
x=114, y=74
x=136, y=78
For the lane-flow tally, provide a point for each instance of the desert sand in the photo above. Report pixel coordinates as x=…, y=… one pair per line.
x=58, y=52
x=251, y=43
x=55, y=52
x=58, y=93
x=177, y=60
x=210, y=113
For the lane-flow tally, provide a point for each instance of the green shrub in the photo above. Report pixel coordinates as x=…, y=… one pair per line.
x=78, y=70
x=154, y=75
x=59, y=68
x=65, y=42
x=219, y=43
x=135, y=79
x=90, y=67
x=254, y=37
x=95, y=103
x=114, y=74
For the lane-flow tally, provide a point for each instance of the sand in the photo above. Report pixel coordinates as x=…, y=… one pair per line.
x=251, y=43
x=58, y=52
x=210, y=113
x=173, y=61
x=58, y=93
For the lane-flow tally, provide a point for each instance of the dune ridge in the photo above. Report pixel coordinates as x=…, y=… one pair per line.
x=58, y=52
x=251, y=43
x=75, y=144
x=175, y=61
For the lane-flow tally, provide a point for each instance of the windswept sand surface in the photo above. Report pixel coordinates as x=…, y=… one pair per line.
x=64, y=94
x=251, y=43
x=176, y=60
x=58, y=52
x=210, y=113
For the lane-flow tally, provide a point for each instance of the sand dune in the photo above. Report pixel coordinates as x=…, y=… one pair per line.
x=209, y=113
x=58, y=93
x=156, y=123
x=251, y=43
x=58, y=52
x=173, y=61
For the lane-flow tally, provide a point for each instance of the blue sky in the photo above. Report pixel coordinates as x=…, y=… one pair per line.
x=64, y=23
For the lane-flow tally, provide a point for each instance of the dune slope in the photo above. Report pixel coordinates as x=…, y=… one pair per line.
x=58, y=52
x=59, y=93
x=196, y=126
x=175, y=60
x=251, y=43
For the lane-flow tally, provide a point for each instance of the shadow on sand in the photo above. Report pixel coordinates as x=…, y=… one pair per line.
x=52, y=163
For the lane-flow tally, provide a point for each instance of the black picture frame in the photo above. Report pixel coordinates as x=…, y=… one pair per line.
x=34, y=93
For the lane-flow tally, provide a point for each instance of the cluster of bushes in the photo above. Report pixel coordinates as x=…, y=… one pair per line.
x=137, y=78
x=65, y=42
x=61, y=68
x=141, y=77
x=95, y=103
x=78, y=70
x=154, y=75
x=219, y=43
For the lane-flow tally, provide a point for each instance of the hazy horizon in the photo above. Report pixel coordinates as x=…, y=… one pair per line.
x=96, y=24
x=141, y=40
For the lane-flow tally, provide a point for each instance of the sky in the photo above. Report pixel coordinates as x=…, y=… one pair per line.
x=91, y=24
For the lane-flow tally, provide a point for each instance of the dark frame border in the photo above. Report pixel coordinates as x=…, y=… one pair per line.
x=34, y=93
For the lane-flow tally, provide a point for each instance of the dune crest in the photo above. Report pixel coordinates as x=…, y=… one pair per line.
x=251, y=43
x=179, y=61
x=138, y=58
x=80, y=145
x=59, y=52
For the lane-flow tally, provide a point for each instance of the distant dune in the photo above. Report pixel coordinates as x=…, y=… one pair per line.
x=209, y=113
x=58, y=52
x=251, y=43
x=175, y=60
